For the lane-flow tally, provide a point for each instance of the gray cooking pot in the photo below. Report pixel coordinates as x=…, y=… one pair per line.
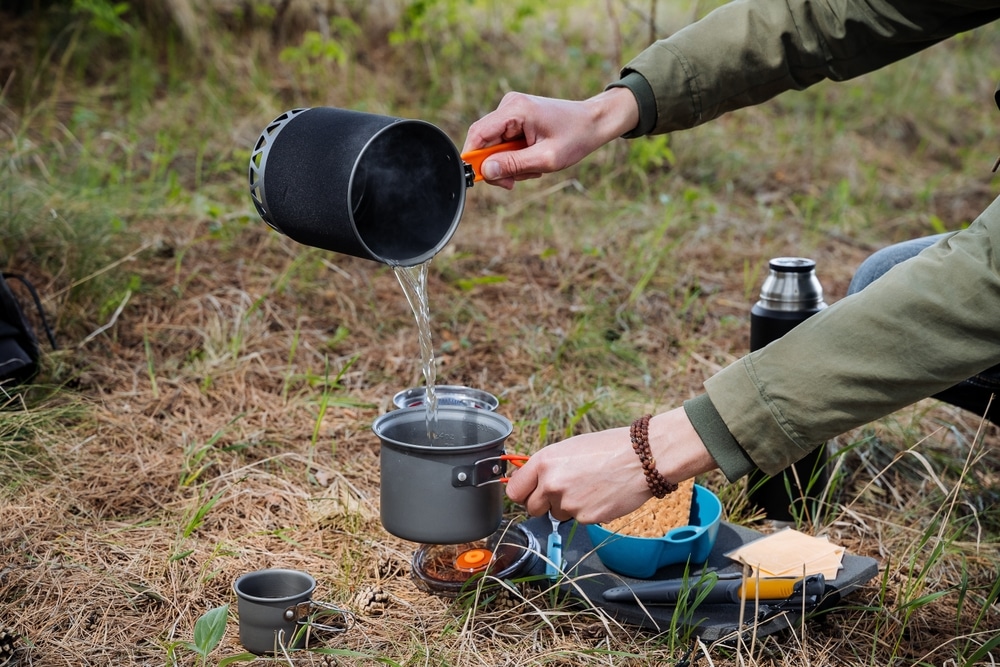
x=446, y=490
x=383, y=188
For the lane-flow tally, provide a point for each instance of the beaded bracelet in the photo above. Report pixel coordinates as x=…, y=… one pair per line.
x=657, y=483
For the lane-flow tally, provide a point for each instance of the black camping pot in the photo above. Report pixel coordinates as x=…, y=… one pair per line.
x=445, y=490
x=382, y=188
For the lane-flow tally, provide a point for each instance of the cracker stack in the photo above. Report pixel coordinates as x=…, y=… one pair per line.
x=657, y=516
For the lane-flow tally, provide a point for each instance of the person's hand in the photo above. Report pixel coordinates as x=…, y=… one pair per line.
x=559, y=133
x=597, y=477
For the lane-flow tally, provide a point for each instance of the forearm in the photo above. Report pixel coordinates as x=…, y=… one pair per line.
x=924, y=326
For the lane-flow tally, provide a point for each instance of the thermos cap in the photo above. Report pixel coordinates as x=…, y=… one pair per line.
x=791, y=285
x=792, y=264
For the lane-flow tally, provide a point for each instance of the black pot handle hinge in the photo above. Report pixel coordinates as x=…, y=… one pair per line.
x=484, y=471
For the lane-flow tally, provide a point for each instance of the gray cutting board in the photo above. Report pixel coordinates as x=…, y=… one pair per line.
x=586, y=578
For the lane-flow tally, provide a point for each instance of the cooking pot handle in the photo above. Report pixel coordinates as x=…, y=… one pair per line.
x=475, y=158
x=485, y=471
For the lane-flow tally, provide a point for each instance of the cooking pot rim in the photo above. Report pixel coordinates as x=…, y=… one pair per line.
x=400, y=125
x=455, y=413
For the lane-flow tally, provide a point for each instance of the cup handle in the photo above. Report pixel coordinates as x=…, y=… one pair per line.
x=303, y=613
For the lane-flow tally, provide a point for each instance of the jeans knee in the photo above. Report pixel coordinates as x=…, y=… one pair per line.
x=879, y=262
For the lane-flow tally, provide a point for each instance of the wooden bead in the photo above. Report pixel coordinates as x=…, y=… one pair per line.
x=639, y=435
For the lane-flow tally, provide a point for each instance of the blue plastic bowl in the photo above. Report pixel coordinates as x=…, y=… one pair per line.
x=641, y=557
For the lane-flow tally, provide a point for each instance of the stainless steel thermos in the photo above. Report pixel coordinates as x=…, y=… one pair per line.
x=791, y=293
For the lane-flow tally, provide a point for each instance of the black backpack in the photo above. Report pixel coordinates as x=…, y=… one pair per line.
x=19, y=352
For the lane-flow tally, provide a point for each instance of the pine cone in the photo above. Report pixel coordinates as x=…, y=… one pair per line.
x=504, y=600
x=8, y=647
x=371, y=601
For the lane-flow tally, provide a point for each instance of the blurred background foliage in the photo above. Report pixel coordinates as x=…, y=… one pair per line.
x=115, y=112
x=112, y=113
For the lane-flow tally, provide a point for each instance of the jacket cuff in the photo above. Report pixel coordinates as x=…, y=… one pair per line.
x=643, y=92
x=721, y=444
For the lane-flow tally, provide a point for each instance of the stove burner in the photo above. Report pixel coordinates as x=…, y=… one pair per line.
x=473, y=560
x=446, y=569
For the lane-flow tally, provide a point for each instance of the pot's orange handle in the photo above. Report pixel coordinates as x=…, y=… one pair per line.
x=475, y=158
x=517, y=459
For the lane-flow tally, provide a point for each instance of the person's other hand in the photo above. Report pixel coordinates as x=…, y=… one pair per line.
x=559, y=133
x=597, y=477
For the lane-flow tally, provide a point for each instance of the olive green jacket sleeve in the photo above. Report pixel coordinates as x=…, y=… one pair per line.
x=748, y=51
x=923, y=327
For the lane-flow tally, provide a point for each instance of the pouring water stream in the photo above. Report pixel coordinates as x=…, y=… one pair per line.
x=413, y=280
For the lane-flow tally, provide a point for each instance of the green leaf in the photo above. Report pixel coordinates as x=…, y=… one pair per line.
x=924, y=600
x=981, y=653
x=208, y=630
x=239, y=657
x=199, y=515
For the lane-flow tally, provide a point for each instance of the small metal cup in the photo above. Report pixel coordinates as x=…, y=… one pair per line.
x=276, y=610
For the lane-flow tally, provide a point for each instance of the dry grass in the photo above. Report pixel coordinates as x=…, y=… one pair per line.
x=211, y=410
x=105, y=562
